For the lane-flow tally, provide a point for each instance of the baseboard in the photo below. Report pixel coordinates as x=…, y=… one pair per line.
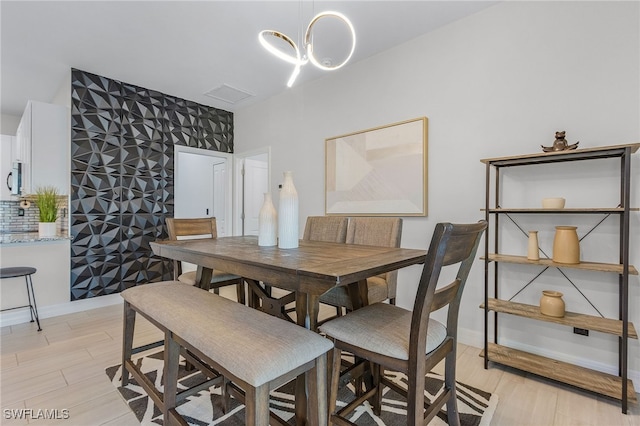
x=22, y=315
x=476, y=339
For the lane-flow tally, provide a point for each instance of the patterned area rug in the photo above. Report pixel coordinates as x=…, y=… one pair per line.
x=476, y=406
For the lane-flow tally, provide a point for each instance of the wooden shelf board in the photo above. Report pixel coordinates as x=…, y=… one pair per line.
x=571, y=319
x=584, y=378
x=560, y=156
x=589, y=266
x=561, y=211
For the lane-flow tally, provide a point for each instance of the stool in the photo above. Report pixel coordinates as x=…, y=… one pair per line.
x=26, y=272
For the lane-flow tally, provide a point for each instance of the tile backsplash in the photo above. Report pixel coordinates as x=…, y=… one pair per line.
x=11, y=221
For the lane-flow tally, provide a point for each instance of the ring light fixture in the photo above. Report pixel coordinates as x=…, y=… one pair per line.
x=300, y=60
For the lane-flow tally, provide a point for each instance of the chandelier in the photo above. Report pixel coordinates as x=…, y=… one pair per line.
x=298, y=59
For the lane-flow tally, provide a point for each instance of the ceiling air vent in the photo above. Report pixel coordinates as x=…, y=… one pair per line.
x=228, y=94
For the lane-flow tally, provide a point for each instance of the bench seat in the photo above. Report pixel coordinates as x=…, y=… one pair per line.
x=252, y=349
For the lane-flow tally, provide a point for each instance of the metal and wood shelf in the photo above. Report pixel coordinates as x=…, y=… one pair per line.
x=618, y=387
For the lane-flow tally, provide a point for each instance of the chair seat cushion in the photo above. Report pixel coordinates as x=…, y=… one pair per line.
x=377, y=291
x=383, y=329
x=254, y=346
x=217, y=277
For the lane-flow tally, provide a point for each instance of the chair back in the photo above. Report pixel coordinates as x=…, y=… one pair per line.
x=331, y=229
x=450, y=245
x=377, y=231
x=182, y=229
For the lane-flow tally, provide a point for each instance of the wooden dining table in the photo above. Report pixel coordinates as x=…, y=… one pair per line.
x=309, y=270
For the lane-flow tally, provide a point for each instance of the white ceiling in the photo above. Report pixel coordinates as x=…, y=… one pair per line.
x=187, y=48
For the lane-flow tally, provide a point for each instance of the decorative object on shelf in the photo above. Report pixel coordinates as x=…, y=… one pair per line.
x=533, y=250
x=299, y=60
x=551, y=304
x=267, y=223
x=560, y=144
x=288, y=214
x=566, y=245
x=47, y=201
x=553, y=203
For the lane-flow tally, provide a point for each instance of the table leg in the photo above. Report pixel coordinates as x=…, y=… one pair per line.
x=359, y=294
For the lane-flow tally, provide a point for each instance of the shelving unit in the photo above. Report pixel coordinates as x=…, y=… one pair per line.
x=619, y=387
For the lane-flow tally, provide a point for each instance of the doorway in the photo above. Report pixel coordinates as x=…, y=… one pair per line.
x=203, y=186
x=253, y=179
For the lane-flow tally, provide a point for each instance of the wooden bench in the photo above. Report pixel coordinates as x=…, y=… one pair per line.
x=255, y=351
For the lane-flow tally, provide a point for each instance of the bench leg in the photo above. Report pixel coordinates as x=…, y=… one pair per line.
x=127, y=339
x=170, y=379
x=257, y=406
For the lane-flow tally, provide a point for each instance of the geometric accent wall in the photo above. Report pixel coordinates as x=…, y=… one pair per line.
x=122, y=153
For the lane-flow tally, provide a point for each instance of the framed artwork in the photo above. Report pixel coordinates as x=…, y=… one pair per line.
x=378, y=172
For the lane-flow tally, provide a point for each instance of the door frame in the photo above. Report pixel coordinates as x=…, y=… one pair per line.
x=228, y=160
x=238, y=190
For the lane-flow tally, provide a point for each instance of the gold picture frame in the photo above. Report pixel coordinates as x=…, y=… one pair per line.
x=378, y=172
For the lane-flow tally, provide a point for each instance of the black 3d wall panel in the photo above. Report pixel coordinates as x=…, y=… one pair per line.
x=122, y=139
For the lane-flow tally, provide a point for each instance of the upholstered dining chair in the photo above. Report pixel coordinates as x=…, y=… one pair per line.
x=331, y=229
x=410, y=341
x=180, y=229
x=370, y=231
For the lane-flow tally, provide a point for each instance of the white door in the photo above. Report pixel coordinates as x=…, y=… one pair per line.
x=202, y=185
x=252, y=180
x=256, y=183
x=220, y=196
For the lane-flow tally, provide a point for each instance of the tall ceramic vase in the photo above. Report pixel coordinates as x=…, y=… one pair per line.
x=267, y=223
x=566, y=245
x=288, y=214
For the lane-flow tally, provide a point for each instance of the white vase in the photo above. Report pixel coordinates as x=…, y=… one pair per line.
x=288, y=214
x=267, y=223
x=47, y=229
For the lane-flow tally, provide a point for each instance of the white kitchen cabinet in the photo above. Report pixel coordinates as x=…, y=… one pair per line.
x=42, y=143
x=7, y=144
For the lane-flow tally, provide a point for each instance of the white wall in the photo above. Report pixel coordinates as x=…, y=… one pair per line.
x=495, y=84
x=9, y=124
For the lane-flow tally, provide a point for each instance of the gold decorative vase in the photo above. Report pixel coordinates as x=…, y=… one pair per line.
x=566, y=245
x=551, y=304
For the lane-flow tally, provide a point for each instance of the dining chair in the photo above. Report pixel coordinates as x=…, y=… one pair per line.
x=371, y=231
x=181, y=229
x=331, y=229
x=410, y=341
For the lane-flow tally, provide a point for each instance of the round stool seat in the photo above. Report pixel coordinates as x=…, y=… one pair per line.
x=17, y=271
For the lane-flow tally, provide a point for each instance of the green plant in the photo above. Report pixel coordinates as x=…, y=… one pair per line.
x=47, y=201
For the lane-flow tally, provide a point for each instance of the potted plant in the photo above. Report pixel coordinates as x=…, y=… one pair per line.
x=47, y=201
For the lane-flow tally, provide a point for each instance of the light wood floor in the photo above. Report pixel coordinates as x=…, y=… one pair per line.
x=62, y=367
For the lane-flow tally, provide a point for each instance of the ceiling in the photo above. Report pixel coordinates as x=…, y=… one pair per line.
x=187, y=48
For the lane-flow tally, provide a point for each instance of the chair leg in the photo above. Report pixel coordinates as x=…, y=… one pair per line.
x=317, y=379
x=453, y=417
x=240, y=292
x=127, y=339
x=415, y=399
x=377, y=371
x=34, y=308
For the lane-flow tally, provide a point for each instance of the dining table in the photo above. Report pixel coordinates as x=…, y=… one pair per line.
x=309, y=270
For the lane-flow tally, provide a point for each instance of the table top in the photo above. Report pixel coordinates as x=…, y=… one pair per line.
x=313, y=267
